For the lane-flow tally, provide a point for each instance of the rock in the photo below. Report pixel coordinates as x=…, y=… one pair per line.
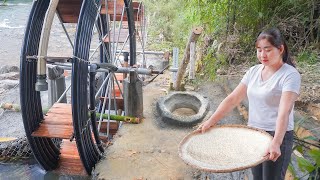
x=10, y=75
x=8, y=84
x=7, y=69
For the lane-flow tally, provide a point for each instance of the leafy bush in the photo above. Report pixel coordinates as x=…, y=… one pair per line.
x=170, y=23
x=309, y=57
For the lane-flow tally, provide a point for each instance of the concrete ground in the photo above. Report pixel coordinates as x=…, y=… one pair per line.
x=150, y=150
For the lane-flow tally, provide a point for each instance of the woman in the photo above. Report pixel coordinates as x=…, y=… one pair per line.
x=272, y=88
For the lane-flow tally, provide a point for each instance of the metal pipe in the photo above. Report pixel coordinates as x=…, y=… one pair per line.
x=125, y=42
x=63, y=94
x=104, y=105
x=146, y=52
x=115, y=77
x=100, y=32
x=64, y=29
x=103, y=84
x=109, y=104
x=120, y=26
x=120, y=69
x=114, y=29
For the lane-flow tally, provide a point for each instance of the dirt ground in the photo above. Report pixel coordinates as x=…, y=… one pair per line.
x=150, y=150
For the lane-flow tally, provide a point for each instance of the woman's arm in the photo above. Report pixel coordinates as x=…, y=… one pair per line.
x=233, y=99
x=286, y=104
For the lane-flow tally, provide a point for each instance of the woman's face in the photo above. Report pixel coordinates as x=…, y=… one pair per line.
x=268, y=54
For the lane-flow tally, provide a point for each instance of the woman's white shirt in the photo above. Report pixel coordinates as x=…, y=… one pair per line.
x=264, y=96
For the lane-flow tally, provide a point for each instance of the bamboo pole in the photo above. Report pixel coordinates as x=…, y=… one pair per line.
x=196, y=32
x=41, y=84
x=133, y=120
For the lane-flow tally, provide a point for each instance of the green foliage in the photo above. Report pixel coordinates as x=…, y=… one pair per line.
x=210, y=64
x=315, y=154
x=312, y=166
x=309, y=159
x=213, y=60
x=309, y=57
x=235, y=24
x=167, y=25
x=305, y=165
x=292, y=170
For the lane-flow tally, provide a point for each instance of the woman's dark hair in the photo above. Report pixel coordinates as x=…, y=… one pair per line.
x=274, y=36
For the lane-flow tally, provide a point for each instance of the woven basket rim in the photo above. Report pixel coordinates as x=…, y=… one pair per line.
x=186, y=138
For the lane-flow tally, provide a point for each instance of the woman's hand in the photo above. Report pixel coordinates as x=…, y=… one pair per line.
x=273, y=151
x=203, y=127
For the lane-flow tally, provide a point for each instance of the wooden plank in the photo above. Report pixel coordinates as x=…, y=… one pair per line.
x=69, y=10
x=57, y=123
x=117, y=90
x=119, y=7
x=119, y=77
x=53, y=131
x=56, y=120
x=70, y=163
x=113, y=127
x=124, y=18
x=61, y=108
x=119, y=101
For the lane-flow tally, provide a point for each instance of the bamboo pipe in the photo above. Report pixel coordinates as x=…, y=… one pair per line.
x=41, y=84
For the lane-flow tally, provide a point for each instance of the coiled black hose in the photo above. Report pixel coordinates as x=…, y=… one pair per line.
x=88, y=151
x=44, y=150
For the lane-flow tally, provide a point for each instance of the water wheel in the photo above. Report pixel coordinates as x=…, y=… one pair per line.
x=65, y=135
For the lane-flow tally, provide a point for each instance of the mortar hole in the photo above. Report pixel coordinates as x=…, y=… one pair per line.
x=184, y=112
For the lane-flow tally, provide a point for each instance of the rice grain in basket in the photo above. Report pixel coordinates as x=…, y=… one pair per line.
x=225, y=148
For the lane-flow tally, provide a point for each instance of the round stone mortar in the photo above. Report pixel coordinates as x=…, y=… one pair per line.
x=175, y=100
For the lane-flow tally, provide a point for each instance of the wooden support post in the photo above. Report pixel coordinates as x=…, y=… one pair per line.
x=192, y=60
x=196, y=32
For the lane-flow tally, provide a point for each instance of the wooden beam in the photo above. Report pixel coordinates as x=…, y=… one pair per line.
x=70, y=162
x=119, y=101
x=69, y=10
x=57, y=122
x=194, y=35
